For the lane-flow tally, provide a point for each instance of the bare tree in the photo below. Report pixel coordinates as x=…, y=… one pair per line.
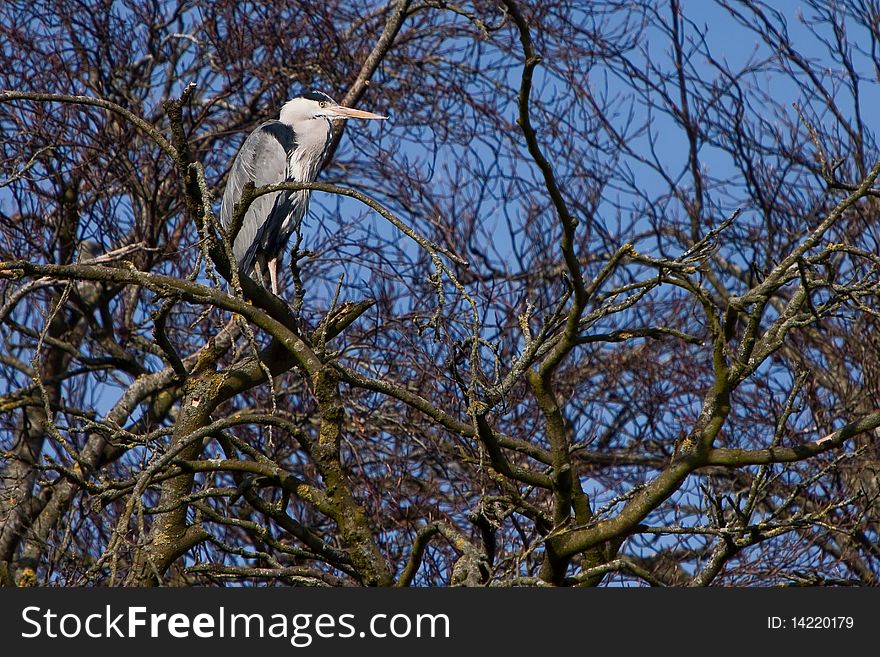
x=597, y=305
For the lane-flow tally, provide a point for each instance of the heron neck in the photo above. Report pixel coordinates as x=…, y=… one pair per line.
x=306, y=158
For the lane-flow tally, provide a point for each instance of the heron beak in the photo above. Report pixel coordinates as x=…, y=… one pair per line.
x=342, y=112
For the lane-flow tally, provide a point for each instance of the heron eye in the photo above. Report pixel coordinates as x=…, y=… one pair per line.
x=322, y=104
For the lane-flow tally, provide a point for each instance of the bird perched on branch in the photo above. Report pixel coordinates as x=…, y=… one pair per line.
x=292, y=149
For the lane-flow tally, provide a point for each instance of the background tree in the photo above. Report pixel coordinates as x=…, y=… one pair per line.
x=597, y=305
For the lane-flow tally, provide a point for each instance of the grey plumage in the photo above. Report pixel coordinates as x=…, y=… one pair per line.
x=263, y=159
x=291, y=148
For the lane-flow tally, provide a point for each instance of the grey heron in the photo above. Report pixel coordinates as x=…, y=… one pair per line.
x=290, y=148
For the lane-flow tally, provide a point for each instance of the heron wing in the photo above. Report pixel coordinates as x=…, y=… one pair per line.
x=263, y=160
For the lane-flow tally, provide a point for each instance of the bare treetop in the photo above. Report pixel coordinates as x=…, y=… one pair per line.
x=597, y=304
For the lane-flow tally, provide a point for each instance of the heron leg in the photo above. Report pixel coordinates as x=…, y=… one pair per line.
x=273, y=275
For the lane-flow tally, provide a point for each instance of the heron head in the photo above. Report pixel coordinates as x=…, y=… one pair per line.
x=316, y=105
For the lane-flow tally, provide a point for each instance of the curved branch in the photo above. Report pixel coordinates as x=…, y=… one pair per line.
x=134, y=119
x=399, y=12
x=386, y=214
x=185, y=289
x=423, y=537
x=569, y=222
x=731, y=457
